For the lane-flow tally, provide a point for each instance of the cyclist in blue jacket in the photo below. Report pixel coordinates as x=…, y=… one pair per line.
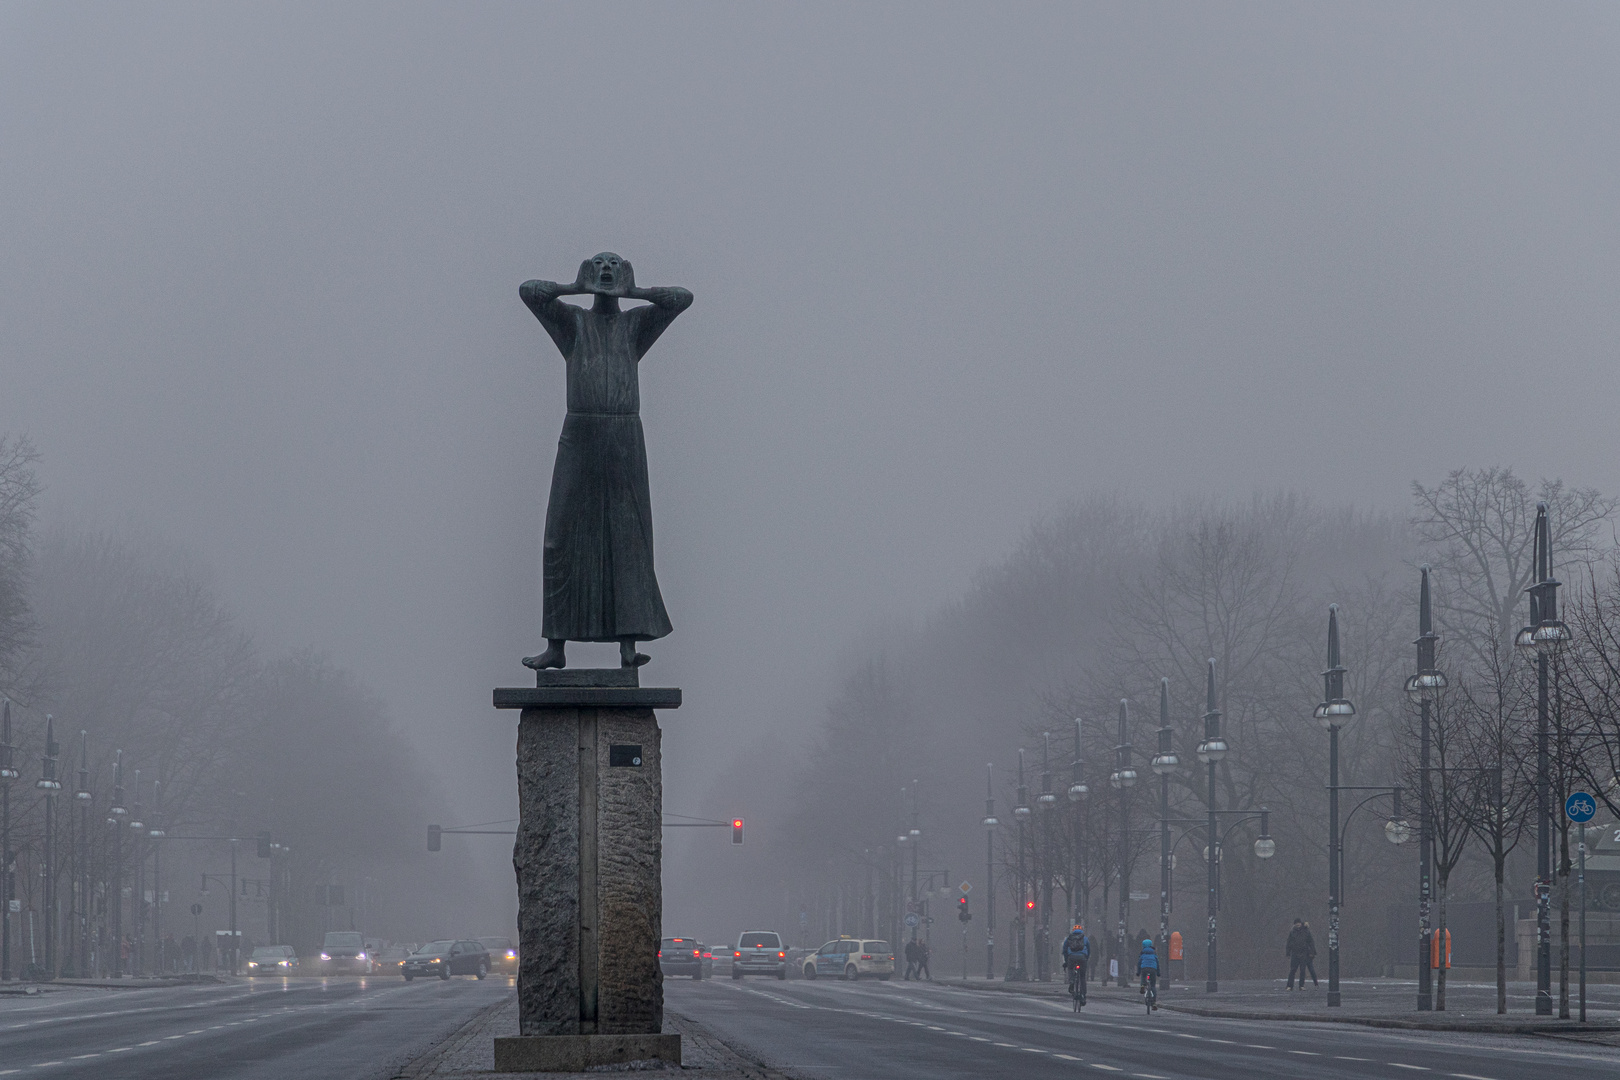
x=1147, y=966
x=1076, y=954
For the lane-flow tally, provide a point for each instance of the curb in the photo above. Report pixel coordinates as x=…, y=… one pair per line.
x=1481, y=1027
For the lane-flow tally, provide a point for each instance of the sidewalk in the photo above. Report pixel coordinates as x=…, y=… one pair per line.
x=1390, y=1003
x=470, y=1053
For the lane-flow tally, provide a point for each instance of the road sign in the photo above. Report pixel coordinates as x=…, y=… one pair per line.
x=1139, y=896
x=1580, y=808
x=911, y=919
x=966, y=886
x=196, y=909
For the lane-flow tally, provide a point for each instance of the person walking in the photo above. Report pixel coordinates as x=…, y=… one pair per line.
x=1296, y=954
x=923, y=952
x=911, y=960
x=1310, y=957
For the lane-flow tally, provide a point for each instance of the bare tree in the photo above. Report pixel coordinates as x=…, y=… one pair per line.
x=1481, y=524
x=19, y=488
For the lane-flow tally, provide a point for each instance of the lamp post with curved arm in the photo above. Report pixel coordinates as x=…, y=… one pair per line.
x=1423, y=688
x=990, y=824
x=1123, y=779
x=8, y=773
x=1164, y=763
x=1211, y=751
x=1335, y=711
x=1019, y=971
x=1540, y=641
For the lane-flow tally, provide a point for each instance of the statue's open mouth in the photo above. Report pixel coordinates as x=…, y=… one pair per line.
x=606, y=277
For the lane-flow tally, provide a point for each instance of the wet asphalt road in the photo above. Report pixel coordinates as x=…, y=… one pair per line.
x=353, y=1029
x=903, y=1030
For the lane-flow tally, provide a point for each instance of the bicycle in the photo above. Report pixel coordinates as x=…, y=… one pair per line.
x=1077, y=986
x=1150, y=990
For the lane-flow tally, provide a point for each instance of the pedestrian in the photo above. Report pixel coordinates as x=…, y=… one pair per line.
x=911, y=960
x=922, y=961
x=1296, y=953
x=1310, y=957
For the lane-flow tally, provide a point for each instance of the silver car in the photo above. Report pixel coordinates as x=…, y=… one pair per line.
x=759, y=952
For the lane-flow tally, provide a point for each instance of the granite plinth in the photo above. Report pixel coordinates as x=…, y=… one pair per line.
x=619, y=676
x=587, y=857
x=576, y=1053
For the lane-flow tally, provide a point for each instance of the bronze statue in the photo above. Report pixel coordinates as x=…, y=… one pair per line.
x=598, y=562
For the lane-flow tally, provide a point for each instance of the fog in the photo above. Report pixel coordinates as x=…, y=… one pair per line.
x=955, y=267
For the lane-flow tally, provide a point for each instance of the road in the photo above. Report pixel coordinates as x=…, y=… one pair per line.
x=899, y=1031
x=345, y=1029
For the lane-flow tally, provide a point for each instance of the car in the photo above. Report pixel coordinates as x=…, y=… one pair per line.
x=759, y=952
x=344, y=952
x=447, y=957
x=386, y=960
x=273, y=960
x=681, y=956
x=851, y=958
x=503, y=958
x=719, y=958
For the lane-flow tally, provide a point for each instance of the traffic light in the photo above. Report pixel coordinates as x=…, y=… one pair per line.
x=1029, y=905
x=433, y=838
x=264, y=845
x=736, y=830
x=962, y=912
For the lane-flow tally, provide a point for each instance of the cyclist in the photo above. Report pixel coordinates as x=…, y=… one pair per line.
x=1076, y=953
x=1147, y=966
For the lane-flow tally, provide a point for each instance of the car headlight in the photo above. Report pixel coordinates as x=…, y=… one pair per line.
x=285, y=963
x=435, y=960
x=511, y=954
x=325, y=957
x=253, y=963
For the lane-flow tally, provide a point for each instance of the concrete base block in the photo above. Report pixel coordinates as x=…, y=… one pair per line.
x=576, y=1053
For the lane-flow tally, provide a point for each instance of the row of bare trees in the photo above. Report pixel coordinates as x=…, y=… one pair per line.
x=1102, y=601
x=121, y=637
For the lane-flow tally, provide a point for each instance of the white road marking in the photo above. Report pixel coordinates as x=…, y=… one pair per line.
x=120, y=1049
x=1414, y=1068
x=1068, y=1057
x=1010, y=1046
x=1032, y=1050
x=1342, y=1057
x=152, y=1042
x=1257, y=1046
x=42, y=1064
x=1469, y=1076
x=1307, y=1053
x=81, y=1057
x=1110, y=1068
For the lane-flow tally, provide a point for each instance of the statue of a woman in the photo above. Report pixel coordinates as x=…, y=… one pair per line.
x=598, y=563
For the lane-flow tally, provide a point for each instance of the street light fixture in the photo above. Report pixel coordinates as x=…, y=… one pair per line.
x=1334, y=712
x=1424, y=688
x=1540, y=641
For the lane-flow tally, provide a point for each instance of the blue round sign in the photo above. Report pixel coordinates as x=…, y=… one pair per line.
x=1580, y=808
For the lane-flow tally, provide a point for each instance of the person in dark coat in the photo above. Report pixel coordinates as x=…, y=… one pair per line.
x=1295, y=950
x=1310, y=957
x=923, y=952
x=911, y=960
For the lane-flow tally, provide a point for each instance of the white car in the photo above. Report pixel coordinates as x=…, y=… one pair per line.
x=759, y=952
x=851, y=958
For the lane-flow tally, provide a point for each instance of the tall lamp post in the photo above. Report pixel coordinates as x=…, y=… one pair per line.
x=8, y=868
x=1541, y=641
x=1123, y=779
x=1164, y=763
x=990, y=824
x=81, y=866
x=1077, y=793
x=1047, y=801
x=1210, y=753
x=137, y=896
x=50, y=785
x=1334, y=711
x=153, y=832
x=1423, y=688
x=1020, y=969
x=116, y=813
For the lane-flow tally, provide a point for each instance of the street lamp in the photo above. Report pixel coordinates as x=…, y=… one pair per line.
x=50, y=785
x=1210, y=752
x=1164, y=763
x=1540, y=641
x=80, y=860
x=116, y=813
x=8, y=773
x=1333, y=713
x=1047, y=801
x=1424, y=688
x=1123, y=779
x=1077, y=794
x=990, y=823
x=1019, y=970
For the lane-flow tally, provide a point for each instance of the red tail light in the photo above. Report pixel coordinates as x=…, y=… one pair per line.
x=696, y=953
x=734, y=955
x=660, y=954
x=781, y=956
x=866, y=958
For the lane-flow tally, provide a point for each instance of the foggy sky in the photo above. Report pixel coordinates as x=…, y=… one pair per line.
x=953, y=265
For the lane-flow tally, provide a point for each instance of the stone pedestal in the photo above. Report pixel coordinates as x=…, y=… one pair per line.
x=587, y=856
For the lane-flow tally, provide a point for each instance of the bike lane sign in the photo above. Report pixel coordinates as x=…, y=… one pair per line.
x=1580, y=808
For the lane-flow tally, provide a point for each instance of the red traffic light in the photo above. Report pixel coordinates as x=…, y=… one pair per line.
x=961, y=901
x=736, y=830
x=1029, y=905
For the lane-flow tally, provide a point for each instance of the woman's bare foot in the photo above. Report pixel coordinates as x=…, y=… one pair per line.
x=628, y=657
x=552, y=658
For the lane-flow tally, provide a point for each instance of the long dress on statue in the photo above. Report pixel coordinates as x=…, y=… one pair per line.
x=598, y=555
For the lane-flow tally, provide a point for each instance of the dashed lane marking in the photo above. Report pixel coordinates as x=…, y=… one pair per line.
x=1306, y=1053
x=1150, y=1076
x=1010, y=1046
x=1469, y=1076
x=81, y=1057
x=1342, y=1057
x=1032, y=1050
x=1258, y=1046
x=1400, y=1065
x=1068, y=1057
x=1110, y=1068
